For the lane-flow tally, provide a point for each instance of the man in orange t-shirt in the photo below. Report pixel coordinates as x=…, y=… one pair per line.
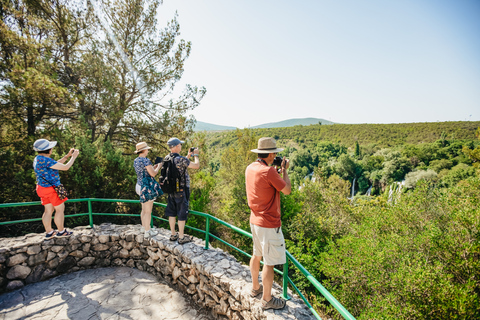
x=263, y=184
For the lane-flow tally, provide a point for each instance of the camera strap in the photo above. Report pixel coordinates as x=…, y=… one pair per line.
x=261, y=160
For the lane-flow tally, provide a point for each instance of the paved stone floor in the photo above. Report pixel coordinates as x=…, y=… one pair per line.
x=107, y=293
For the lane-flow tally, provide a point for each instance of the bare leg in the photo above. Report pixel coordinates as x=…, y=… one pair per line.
x=255, y=270
x=267, y=280
x=181, y=228
x=171, y=221
x=59, y=216
x=47, y=217
x=146, y=215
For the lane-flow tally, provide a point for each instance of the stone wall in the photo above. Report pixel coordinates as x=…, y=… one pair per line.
x=212, y=278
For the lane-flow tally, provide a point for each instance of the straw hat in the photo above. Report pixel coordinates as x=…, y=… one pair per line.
x=142, y=146
x=267, y=145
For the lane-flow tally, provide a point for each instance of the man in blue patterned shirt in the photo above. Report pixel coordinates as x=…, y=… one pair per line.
x=177, y=204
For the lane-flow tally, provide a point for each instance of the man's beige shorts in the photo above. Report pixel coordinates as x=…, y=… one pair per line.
x=269, y=243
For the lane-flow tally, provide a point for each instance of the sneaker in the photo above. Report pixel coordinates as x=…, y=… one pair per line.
x=185, y=239
x=65, y=233
x=150, y=233
x=274, y=303
x=254, y=293
x=50, y=234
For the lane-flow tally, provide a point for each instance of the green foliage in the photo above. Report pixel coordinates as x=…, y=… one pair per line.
x=417, y=259
x=412, y=178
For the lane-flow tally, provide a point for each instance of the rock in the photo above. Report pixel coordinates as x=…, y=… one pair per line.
x=87, y=261
x=52, y=264
x=18, y=272
x=50, y=255
x=124, y=253
x=36, y=275
x=136, y=253
x=78, y=254
x=37, y=259
x=86, y=247
x=127, y=245
x=100, y=247
x=85, y=238
x=34, y=249
x=103, y=238
x=56, y=249
x=130, y=263
x=66, y=264
x=14, y=285
x=192, y=279
x=62, y=254
x=49, y=273
x=16, y=259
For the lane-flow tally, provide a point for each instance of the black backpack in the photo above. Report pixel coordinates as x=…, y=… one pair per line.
x=170, y=177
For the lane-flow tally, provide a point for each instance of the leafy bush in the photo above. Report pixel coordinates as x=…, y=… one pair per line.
x=412, y=178
x=418, y=259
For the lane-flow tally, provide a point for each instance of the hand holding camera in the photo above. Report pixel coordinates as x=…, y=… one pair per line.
x=281, y=163
x=193, y=152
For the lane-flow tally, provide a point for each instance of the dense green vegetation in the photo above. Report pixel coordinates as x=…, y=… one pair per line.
x=410, y=250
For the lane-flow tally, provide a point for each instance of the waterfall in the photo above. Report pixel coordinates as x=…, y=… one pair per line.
x=353, y=187
x=369, y=191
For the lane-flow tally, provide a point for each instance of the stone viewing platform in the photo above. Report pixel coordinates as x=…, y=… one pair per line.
x=212, y=279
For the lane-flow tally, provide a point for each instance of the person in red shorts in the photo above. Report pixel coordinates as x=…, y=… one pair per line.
x=46, y=170
x=263, y=185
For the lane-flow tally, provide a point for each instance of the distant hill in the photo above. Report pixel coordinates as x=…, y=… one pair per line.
x=204, y=126
x=293, y=122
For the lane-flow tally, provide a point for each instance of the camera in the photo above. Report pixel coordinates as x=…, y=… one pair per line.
x=192, y=149
x=277, y=161
x=158, y=160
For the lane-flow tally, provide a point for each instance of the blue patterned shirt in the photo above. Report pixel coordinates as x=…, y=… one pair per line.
x=139, y=164
x=46, y=177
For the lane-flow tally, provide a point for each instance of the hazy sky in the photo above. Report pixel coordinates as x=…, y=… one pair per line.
x=347, y=61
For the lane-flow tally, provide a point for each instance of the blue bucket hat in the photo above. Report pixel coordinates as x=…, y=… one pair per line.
x=172, y=142
x=43, y=144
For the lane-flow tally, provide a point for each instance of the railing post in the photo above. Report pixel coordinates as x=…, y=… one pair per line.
x=207, y=233
x=151, y=217
x=90, y=216
x=285, y=280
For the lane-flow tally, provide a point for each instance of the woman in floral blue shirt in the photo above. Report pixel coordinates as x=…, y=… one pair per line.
x=46, y=170
x=143, y=167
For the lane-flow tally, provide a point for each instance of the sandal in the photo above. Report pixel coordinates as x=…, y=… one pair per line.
x=274, y=303
x=65, y=233
x=185, y=239
x=254, y=293
x=174, y=237
x=50, y=234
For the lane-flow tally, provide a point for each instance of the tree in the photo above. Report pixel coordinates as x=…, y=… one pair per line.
x=32, y=93
x=357, y=150
x=143, y=65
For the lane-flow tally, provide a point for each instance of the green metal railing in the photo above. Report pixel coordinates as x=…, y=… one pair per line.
x=208, y=219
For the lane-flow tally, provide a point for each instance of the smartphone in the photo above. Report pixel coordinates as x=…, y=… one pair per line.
x=158, y=160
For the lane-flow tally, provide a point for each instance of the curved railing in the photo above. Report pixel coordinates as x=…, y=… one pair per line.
x=286, y=279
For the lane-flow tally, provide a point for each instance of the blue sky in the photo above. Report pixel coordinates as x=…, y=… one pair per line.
x=346, y=61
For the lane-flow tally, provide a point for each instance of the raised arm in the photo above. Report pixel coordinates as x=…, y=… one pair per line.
x=288, y=187
x=65, y=157
x=196, y=164
x=65, y=167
